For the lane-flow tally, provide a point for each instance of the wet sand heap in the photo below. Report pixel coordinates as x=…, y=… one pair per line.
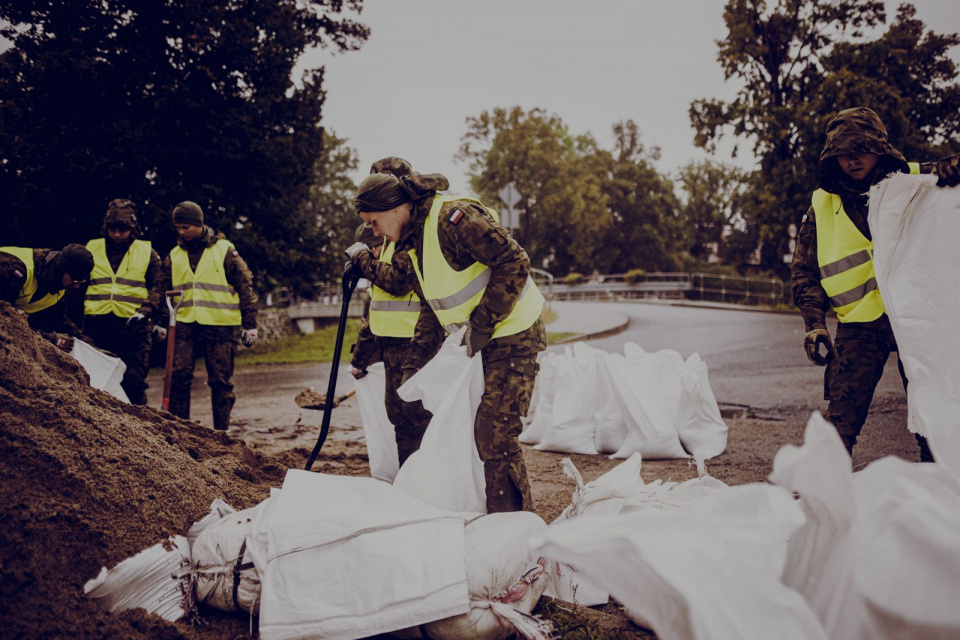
x=87, y=481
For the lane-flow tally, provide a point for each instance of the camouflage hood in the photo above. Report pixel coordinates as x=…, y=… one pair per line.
x=856, y=130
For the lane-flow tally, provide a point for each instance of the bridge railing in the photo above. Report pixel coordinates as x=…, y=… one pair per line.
x=705, y=287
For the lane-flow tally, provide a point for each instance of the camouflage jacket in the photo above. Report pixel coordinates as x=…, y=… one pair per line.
x=473, y=237
x=395, y=277
x=237, y=272
x=852, y=131
x=13, y=275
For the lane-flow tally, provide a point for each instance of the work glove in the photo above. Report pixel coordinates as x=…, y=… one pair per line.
x=407, y=374
x=136, y=319
x=475, y=340
x=248, y=337
x=355, y=249
x=948, y=172
x=63, y=341
x=357, y=373
x=811, y=344
x=159, y=332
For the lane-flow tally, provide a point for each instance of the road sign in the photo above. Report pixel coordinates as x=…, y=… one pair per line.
x=510, y=196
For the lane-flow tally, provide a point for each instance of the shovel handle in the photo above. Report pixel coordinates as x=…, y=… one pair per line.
x=171, y=341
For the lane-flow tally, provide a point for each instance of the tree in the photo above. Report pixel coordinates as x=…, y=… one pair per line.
x=801, y=61
x=712, y=215
x=163, y=102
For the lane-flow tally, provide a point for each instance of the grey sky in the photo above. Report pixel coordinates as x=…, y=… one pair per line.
x=429, y=64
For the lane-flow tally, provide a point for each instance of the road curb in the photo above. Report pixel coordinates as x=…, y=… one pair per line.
x=595, y=335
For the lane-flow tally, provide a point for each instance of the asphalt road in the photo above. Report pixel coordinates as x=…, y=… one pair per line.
x=755, y=360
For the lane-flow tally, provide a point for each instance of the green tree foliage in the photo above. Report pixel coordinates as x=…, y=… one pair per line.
x=713, y=214
x=800, y=62
x=162, y=102
x=585, y=208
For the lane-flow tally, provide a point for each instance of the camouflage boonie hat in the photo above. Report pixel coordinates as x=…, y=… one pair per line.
x=392, y=165
x=856, y=130
x=121, y=212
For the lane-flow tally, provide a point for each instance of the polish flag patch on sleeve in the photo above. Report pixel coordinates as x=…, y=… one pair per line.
x=455, y=216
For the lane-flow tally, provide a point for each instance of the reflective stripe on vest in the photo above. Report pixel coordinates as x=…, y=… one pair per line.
x=845, y=257
x=119, y=293
x=453, y=295
x=206, y=296
x=30, y=285
x=392, y=316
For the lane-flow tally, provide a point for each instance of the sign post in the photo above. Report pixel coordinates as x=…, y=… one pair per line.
x=510, y=215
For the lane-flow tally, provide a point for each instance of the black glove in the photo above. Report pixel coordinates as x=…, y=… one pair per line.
x=475, y=340
x=358, y=373
x=248, y=337
x=811, y=344
x=407, y=374
x=136, y=318
x=948, y=171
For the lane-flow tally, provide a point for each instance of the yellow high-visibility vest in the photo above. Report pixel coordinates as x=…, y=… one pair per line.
x=119, y=293
x=24, y=303
x=845, y=257
x=453, y=295
x=392, y=316
x=206, y=296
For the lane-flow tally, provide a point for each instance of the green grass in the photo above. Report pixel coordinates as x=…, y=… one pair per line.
x=313, y=347
x=554, y=338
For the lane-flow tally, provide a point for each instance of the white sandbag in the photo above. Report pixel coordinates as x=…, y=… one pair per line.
x=226, y=577
x=446, y=470
x=647, y=389
x=915, y=227
x=505, y=580
x=157, y=580
x=710, y=571
x=218, y=509
x=378, y=432
x=342, y=557
x=105, y=371
x=578, y=388
x=611, y=426
x=701, y=428
x=879, y=555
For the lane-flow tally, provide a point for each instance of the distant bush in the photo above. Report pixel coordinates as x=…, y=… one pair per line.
x=633, y=276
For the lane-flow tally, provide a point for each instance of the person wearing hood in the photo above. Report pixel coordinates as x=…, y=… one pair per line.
x=470, y=273
x=389, y=326
x=116, y=308
x=833, y=267
x=217, y=305
x=34, y=281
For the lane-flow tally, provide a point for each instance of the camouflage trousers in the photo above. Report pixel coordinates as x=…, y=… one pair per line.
x=508, y=387
x=217, y=346
x=851, y=377
x=409, y=419
x=131, y=343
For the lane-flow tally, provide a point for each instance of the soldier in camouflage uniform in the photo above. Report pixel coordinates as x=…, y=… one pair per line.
x=34, y=281
x=218, y=305
x=117, y=309
x=410, y=419
x=856, y=156
x=502, y=318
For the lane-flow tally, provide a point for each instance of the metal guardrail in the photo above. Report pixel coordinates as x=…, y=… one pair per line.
x=688, y=286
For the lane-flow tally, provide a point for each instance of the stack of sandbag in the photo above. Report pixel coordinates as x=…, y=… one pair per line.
x=588, y=401
x=344, y=557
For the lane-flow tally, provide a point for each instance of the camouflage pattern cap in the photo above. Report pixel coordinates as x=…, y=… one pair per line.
x=393, y=165
x=122, y=213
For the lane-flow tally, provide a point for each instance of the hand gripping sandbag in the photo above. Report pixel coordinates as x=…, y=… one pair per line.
x=446, y=471
x=378, y=432
x=226, y=577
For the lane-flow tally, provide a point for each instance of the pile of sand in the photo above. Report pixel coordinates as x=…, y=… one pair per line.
x=87, y=481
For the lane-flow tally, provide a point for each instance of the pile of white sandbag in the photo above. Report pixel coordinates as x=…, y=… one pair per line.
x=589, y=401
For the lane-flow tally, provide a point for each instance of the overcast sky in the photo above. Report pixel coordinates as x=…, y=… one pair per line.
x=430, y=64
